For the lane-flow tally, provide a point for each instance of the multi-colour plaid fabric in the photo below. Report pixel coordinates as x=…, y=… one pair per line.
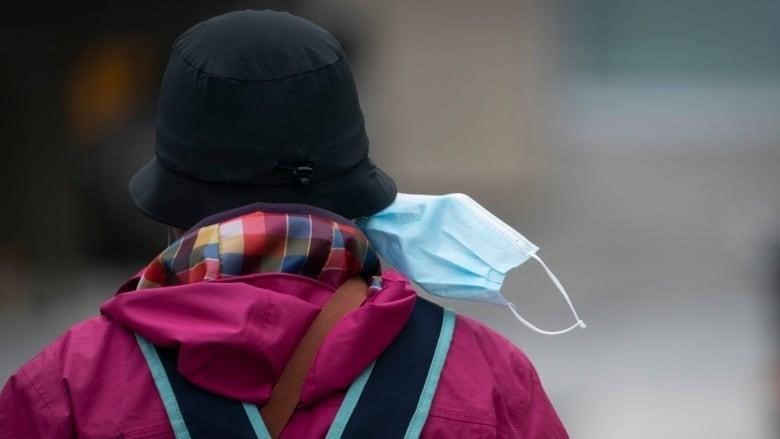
x=320, y=248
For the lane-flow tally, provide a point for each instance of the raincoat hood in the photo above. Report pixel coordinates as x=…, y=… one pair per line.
x=236, y=294
x=235, y=335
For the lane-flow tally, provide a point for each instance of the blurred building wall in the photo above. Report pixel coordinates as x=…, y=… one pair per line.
x=456, y=77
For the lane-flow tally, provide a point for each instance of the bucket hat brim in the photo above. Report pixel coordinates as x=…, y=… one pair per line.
x=177, y=200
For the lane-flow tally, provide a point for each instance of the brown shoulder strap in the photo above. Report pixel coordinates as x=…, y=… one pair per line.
x=287, y=391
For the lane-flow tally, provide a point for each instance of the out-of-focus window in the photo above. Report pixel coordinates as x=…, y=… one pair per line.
x=705, y=38
x=669, y=76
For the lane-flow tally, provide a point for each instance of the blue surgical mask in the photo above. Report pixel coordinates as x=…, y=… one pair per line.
x=453, y=247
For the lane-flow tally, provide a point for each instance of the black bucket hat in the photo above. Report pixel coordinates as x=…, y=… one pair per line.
x=258, y=106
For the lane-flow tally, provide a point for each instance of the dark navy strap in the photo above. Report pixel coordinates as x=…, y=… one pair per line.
x=205, y=414
x=195, y=413
x=402, y=380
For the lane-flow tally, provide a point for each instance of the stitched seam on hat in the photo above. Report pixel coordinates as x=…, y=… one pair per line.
x=187, y=60
x=381, y=204
x=154, y=216
x=288, y=118
x=170, y=168
x=373, y=208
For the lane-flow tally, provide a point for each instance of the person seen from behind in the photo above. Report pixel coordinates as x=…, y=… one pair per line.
x=270, y=316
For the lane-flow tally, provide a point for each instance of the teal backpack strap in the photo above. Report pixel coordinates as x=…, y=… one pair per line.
x=193, y=412
x=393, y=397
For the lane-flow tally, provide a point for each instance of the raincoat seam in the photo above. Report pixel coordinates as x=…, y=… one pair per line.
x=33, y=382
x=460, y=416
x=532, y=382
x=462, y=420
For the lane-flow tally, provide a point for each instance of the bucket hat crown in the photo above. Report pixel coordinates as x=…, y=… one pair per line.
x=258, y=106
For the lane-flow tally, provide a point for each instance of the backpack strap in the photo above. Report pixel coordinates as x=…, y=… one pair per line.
x=397, y=396
x=391, y=399
x=193, y=412
x=287, y=390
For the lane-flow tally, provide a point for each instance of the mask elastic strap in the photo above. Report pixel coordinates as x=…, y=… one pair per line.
x=557, y=283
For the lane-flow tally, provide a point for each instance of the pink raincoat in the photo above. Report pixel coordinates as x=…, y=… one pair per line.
x=235, y=336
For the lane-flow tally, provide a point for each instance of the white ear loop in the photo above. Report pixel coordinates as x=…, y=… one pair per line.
x=557, y=283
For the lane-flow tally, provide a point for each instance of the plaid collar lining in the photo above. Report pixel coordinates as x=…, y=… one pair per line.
x=318, y=247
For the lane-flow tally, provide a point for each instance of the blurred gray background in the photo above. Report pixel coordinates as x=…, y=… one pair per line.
x=637, y=142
